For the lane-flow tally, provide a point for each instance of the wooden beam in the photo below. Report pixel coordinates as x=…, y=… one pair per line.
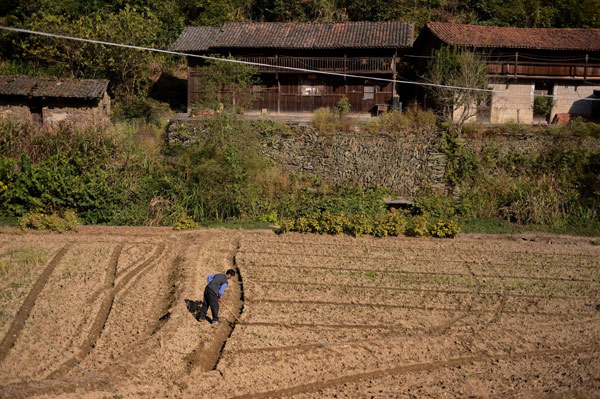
x=394, y=74
x=345, y=82
x=278, y=86
x=189, y=90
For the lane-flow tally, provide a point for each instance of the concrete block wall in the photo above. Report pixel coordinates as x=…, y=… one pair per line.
x=571, y=99
x=512, y=102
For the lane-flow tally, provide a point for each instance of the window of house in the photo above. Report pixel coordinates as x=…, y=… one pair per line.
x=369, y=92
x=310, y=89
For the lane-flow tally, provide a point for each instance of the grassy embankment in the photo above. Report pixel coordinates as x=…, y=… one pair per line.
x=126, y=175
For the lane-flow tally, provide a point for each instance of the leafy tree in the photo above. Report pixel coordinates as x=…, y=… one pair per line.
x=128, y=70
x=460, y=68
x=225, y=84
x=214, y=12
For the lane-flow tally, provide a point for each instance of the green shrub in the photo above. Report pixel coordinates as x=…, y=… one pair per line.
x=391, y=224
x=542, y=105
x=411, y=120
x=417, y=226
x=185, y=223
x=343, y=106
x=445, y=229
x=59, y=222
x=327, y=121
x=269, y=127
x=396, y=223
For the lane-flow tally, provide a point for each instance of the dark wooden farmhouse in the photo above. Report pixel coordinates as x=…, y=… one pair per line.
x=50, y=102
x=369, y=49
x=526, y=63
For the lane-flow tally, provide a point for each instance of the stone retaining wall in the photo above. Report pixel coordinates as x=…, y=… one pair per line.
x=406, y=163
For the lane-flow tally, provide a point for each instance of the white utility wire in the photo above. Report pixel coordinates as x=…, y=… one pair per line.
x=129, y=46
x=89, y=373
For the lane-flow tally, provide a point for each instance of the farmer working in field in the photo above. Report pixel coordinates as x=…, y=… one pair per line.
x=212, y=294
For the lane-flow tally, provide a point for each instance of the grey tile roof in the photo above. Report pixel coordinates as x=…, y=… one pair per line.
x=57, y=88
x=296, y=35
x=196, y=38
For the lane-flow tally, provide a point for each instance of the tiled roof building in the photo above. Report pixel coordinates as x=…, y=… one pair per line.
x=50, y=102
x=526, y=64
x=291, y=55
x=57, y=88
x=296, y=35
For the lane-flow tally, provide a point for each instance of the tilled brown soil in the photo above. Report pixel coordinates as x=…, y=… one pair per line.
x=110, y=311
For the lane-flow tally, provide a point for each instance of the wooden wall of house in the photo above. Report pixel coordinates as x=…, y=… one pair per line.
x=306, y=93
x=302, y=92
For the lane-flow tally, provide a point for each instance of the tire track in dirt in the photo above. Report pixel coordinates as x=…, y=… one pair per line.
x=442, y=328
x=140, y=269
x=413, y=307
x=402, y=249
x=391, y=333
x=420, y=257
x=57, y=382
x=17, y=325
x=101, y=316
x=413, y=368
x=421, y=290
x=313, y=325
x=106, y=306
x=117, y=275
x=136, y=263
x=409, y=272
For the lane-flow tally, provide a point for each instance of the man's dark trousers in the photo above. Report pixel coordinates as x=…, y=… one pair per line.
x=210, y=298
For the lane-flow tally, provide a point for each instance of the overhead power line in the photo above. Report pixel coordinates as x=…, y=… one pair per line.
x=206, y=57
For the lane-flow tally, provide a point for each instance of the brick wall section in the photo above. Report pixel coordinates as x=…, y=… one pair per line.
x=512, y=103
x=406, y=163
x=570, y=99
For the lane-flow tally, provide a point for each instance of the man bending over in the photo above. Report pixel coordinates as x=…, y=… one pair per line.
x=212, y=294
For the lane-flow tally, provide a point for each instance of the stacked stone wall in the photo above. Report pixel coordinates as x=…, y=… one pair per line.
x=406, y=163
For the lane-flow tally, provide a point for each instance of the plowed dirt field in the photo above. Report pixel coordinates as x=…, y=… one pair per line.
x=110, y=311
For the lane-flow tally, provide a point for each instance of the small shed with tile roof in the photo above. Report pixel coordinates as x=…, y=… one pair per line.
x=291, y=55
x=50, y=102
x=524, y=64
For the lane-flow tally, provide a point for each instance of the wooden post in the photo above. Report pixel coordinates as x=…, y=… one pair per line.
x=516, y=63
x=394, y=75
x=587, y=58
x=345, y=81
x=278, y=85
x=189, y=89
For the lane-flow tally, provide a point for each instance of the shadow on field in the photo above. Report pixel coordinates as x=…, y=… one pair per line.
x=194, y=307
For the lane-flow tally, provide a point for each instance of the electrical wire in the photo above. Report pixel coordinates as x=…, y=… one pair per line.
x=206, y=57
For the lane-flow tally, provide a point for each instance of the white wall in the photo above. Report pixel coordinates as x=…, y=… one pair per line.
x=512, y=102
x=570, y=99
